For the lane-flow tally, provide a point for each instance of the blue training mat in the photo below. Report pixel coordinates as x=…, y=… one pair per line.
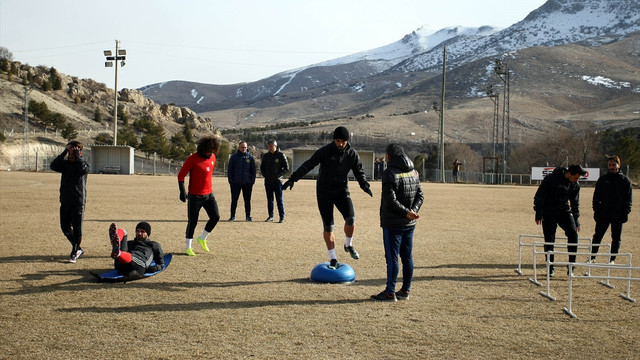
x=114, y=275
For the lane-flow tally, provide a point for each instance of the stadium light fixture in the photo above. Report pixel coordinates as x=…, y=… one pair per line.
x=121, y=56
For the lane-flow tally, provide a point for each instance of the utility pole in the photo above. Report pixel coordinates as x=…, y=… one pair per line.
x=25, y=146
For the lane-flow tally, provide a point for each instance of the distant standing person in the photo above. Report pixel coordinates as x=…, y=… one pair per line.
x=273, y=167
x=611, y=206
x=135, y=255
x=401, y=200
x=557, y=203
x=456, y=169
x=332, y=188
x=241, y=175
x=73, y=194
x=199, y=166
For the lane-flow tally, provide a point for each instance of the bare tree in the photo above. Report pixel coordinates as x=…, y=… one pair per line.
x=5, y=53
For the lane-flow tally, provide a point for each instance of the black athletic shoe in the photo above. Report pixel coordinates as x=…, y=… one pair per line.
x=402, y=295
x=383, y=296
x=333, y=264
x=281, y=220
x=114, y=239
x=354, y=254
x=269, y=219
x=571, y=269
x=552, y=271
x=73, y=258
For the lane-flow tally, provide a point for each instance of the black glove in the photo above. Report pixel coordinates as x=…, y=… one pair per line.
x=624, y=218
x=288, y=184
x=366, y=188
x=183, y=193
x=76, y=154
x=64, y=152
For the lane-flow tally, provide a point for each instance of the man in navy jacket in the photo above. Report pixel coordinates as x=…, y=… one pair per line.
x=241, y=175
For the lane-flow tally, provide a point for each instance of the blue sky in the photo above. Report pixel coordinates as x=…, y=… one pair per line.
x=223, y=42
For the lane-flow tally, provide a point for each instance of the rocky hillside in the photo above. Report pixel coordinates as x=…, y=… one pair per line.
x=78, y=101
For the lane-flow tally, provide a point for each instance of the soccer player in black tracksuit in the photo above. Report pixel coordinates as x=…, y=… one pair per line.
x=134, y=257
x=336, y=160
x=611, y=205
x=73, y=195
x=557, y=203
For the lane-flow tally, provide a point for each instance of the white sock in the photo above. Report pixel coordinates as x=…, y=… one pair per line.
x=204, y=235
x=188, y=241
x=348, y=241
x=332, y=254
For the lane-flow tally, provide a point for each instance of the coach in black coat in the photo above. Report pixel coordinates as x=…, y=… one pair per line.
x=611, y=205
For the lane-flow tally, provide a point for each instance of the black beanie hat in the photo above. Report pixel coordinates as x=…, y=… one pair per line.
x=144, y=226
x=341, y=133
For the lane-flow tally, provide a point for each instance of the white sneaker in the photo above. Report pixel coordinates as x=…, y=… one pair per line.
x=612, y=262
x=591, y=261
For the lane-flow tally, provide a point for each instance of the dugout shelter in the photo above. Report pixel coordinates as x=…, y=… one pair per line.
x=112, y=159
x=300, y=155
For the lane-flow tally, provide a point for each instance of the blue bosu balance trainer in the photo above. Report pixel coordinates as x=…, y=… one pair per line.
x=343, y=274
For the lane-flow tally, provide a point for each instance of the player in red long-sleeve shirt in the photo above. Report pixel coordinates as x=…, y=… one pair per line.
x=199, y=166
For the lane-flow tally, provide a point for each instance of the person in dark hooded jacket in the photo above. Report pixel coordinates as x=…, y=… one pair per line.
x=557, y=203
x=611, y=205
x=336, y=160
x=73, y=194
x=401, y=200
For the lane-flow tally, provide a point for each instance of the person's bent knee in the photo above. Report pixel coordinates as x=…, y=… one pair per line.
x=350, y=221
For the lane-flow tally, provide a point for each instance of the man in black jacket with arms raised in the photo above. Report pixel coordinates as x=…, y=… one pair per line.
x=336, y=160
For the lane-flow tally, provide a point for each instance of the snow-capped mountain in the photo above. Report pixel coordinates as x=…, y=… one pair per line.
x=555, y=23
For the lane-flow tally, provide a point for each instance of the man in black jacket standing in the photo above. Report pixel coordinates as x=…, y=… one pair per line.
x=611, y=205
x=401, y=200
x=241, y=175
x=73, y=194
x=273, y=167
x=557, y=203
x=336, y=160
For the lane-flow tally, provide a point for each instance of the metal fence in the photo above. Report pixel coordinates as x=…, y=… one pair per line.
x=475, y=177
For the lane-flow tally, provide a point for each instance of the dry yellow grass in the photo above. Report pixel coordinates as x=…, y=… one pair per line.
x=251, y=296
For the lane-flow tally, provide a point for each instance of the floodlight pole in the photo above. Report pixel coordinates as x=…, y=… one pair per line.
x=119, y=55
x=442, y=106
x=115, y=109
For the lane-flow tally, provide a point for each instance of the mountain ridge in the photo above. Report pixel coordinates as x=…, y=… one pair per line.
x=556, y=22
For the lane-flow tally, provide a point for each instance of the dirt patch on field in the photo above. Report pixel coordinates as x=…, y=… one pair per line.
x=251, y=297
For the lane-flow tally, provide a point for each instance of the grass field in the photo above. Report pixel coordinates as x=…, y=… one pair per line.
x=251, y=297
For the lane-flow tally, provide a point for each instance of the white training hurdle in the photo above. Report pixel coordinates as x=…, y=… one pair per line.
x=537, y=244
x=522, y=244
x=585, y=264
x=569, y=311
